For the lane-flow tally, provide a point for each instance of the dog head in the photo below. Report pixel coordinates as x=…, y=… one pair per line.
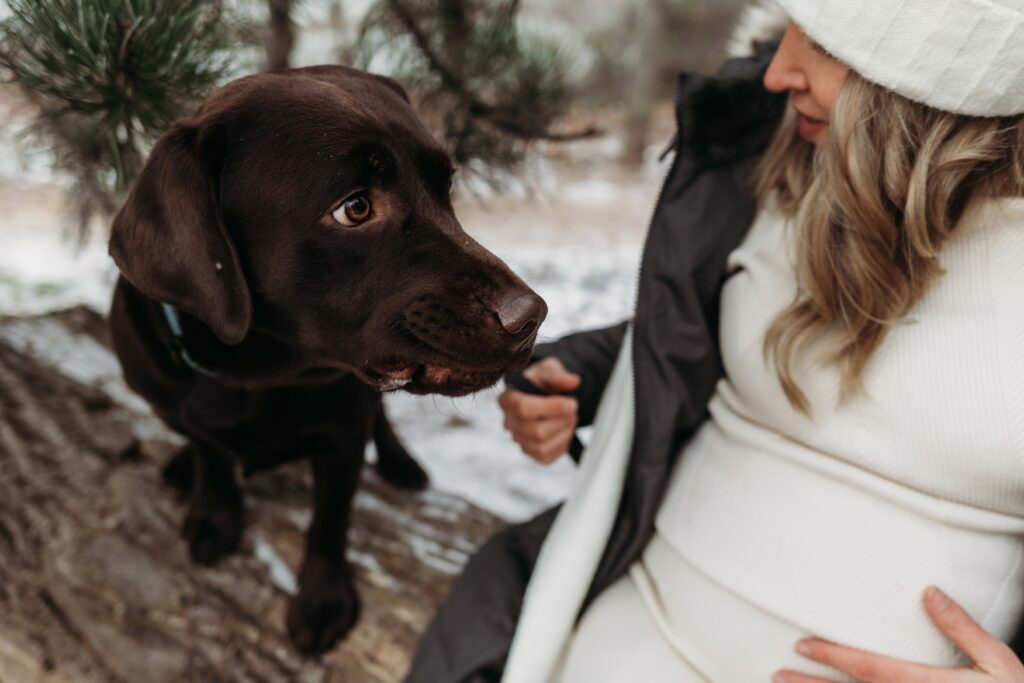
x=312, y=207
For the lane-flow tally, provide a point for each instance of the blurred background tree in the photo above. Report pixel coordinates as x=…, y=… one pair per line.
x=488, y=76
x=639, y=48
x=487, y=83
x=108, y=76
x=281, y=34
x=456, y=55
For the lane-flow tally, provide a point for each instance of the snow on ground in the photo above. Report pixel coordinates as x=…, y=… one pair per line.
x=42, y=266
x=575, y=237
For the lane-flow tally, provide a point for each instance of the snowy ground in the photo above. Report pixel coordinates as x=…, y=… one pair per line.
x=573, y=232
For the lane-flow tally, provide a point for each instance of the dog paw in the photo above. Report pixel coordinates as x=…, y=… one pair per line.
x=325, y=609
x=403, y=473
x=213, y=534
x=178, y=473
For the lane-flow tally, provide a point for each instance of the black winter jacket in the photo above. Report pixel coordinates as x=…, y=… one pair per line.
x=704, y=209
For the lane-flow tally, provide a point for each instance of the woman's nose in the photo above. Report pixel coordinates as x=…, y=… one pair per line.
x=785, y=72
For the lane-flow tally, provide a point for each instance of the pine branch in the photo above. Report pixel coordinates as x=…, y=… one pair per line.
x=475, y=106
x=108, y=77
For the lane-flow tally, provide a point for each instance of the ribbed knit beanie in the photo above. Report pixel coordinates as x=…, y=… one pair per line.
x=962, y=56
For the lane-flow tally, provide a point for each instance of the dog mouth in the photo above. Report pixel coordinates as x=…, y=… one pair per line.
x=393, y=377
x=418, y=378
x=449, y=377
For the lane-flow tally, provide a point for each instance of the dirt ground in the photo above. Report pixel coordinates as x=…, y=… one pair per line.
x=97, y=587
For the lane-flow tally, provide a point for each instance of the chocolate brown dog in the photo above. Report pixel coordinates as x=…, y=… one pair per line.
x=288, y=253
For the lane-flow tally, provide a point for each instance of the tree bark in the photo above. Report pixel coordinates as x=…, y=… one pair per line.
x=282, y=35
x=95, y=585
x=642, y=88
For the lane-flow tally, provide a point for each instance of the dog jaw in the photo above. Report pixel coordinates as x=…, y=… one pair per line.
x=435, y=379
x=391, y=377
x=423, y=379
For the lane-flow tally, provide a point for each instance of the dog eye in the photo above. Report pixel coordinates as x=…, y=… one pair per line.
x=353, y=211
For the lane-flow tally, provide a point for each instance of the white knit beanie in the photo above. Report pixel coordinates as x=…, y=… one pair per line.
x=962, y=56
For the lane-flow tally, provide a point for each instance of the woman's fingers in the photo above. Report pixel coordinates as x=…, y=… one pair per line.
x=993, y=660
x=987, y=652
x=869, y=667
x=522, y=405
x=536, y=432
x=542, y=425
x=543, y=440
x=551, y=376
x=546, y=452
x=539, y=431
x=787, y=676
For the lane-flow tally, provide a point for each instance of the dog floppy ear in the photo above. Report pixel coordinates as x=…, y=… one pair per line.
x=169, y=238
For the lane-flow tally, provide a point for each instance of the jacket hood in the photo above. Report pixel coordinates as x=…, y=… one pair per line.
x=762, y=22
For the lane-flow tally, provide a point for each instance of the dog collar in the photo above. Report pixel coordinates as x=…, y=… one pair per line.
x=174, y=322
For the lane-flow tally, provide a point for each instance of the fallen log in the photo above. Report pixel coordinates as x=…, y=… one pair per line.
x=95, y=585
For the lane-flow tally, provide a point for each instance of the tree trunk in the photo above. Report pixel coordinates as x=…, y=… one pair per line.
x=642, y=88
x=95, y=585
x=282, y=35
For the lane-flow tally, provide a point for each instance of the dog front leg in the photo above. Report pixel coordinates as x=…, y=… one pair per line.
x=216, y=515
x=327, y=605
x=394, y=462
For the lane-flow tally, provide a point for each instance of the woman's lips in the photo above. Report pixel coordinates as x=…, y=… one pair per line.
x=811, y=129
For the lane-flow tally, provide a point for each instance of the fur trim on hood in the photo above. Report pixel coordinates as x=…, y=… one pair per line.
x=762, y=22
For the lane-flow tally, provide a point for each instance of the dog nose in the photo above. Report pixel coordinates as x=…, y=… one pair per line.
x=521, y=314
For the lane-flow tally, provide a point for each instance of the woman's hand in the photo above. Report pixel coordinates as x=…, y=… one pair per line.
x=994, y=661
x=542, y=425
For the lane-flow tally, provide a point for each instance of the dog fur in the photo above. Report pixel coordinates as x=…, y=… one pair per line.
x=292, y=323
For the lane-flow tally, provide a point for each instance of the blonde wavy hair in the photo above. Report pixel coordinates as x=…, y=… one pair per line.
x=872, y=206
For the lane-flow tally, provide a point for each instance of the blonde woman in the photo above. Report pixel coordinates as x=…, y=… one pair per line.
x=827, y=372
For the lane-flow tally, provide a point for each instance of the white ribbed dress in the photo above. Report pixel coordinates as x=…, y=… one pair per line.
x=776, y=526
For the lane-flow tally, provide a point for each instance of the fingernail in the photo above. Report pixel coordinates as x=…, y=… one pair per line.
x=803, y=647
x=780, y=678
x=940, y=601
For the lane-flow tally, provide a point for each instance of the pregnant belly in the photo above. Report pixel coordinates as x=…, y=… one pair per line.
x=717, y=633
x=788, y=548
